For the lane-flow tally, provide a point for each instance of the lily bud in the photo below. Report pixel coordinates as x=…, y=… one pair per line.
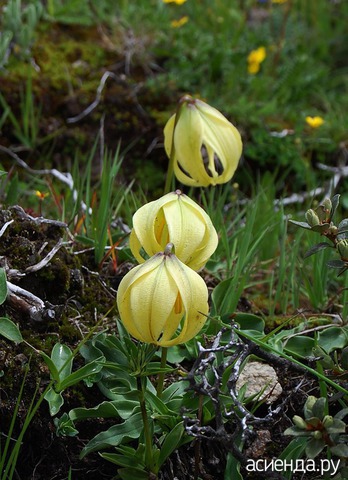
x=162, y=301
x=174, y=218
x=205, y=146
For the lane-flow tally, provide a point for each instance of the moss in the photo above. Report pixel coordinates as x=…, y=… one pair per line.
x=68, y=333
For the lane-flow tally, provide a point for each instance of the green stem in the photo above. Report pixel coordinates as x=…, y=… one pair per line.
x=170, y=172
x=161, y=374
x=147, y=433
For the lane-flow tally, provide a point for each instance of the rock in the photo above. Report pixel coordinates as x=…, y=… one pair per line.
x=260, y=378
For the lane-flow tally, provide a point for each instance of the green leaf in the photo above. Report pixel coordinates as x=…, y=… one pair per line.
x=51, y=366
x=300, y=345
x=333, y=338
x=3, y=286
x=334, y=204
x=317, y=248
x=293, y=451
x=115, y=435
x=324, y=227
x=90, y=369
x=122, y=460
x=220, y=297
x=342, y=230
x=171, y=442
x=314, y=447
x=132, y=474
x=296, y=432
x=175, y=390
x=55, y=401
x=319, y=408
x=103, y=410
x=342, y=413
x=65, y=427
x=248, y=321
x=335, y=264
x=121, y=407
x=338, y=426
x=325, y=359
x=154, y=368
x=340, y=450
x=159, y=406
x=10, y=330
x=232, y=470
x=62, y=358
x=344, y=358
x=301, y=224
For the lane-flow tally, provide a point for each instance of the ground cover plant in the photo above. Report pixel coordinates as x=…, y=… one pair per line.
x=173, y=239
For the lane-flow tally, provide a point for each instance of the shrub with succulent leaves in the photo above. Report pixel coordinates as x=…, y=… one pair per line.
x=322, y=430
x=320, y=220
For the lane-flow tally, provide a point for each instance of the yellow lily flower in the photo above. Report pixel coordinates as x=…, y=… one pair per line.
x=163, y=301
x=174, y=218
x=314, y=122
x=205, y=146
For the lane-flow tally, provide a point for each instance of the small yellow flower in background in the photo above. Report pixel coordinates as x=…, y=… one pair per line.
x=314, y=122
x=163, y=301
x=279, y=1
x=174, y=218
x=255, y=58
x=203, y=144
x=179, y=23
x=177, y=2
x=41, y=195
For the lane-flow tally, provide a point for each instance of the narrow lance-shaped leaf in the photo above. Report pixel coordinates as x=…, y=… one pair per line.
x=115, y=435
x=301, y=224
x=316, y=248
x=83, y=372
x=343, y=229
x=335, y=264
x=171, y=442
x=335, y=202
x=3, y=286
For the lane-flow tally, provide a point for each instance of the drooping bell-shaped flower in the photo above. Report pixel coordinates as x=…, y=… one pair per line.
x=173, y=218
x=204, y=145
x=162, y=301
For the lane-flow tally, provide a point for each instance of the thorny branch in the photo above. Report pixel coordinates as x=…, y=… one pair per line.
x=206, y=378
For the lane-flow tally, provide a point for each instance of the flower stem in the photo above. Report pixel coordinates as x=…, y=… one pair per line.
x=161, y=374
x=170, y=171
x=147, y=433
